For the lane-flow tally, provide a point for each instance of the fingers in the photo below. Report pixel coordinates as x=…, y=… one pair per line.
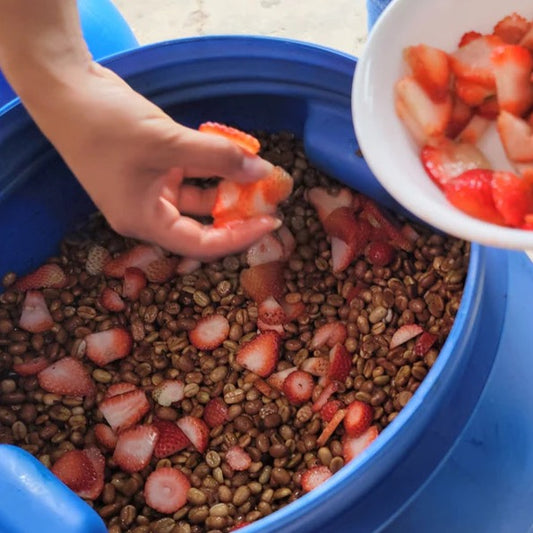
x=196, y=201
x=185, y=236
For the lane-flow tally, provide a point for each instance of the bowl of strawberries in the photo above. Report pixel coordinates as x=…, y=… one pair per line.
x=442, y=105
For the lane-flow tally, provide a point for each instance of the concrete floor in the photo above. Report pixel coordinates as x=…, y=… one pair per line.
x=339, y=24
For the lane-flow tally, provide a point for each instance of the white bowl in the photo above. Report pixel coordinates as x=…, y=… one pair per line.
x=386, y=145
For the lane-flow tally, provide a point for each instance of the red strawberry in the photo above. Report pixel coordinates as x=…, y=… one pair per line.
x=238, y=459
x=513, y=197
x=134, y=283
x=448, y=159
x=46, y=276
x=432, y=117
x=461, y=114
x=97, y=257
x=67, y=376
x=430, y=68
x=315, y=476
x=271, y=312
x=166, y=489
x=380, y=253
x=359, y=416
x=471, y=192
x=187, y=265
x=119, y=388
x=135, y=447
x=244, y=140
x=261, y=354
x=103, y=347
x=111, y=300
x=171, y=439
x=330, y=408
x=139, y=256
x=329, y=334
x=512, y=28
x=35, y=316
x=98, y=461
x=416, y=130
x=424, y=343
x=341, y=223
x=105, y=436
x=527, y=39
x=326, y=202
x=263, y=326
x=161, y=270
x=340, y=364
x=512, y=65
x=267, y=249
x=75, y=470
x=31, y=366
x=468, y=37
x=353, y=446
x=471, y=92
x=331, y=388
x=124, y=410
x=516, y=136
x=474, y=130
x=210, y=332
x=168, y=392
x=261, y=281
x=342, y=254
x=298, y=387
x=404, y=334
x=287, y=240
x=330, y=428
x=316, y=366
x=277, y=379
x=489, y=109
x=215, y=412
x=196, y=430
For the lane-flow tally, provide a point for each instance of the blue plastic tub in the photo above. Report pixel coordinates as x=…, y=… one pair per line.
x=104, y=29
x=458, y=457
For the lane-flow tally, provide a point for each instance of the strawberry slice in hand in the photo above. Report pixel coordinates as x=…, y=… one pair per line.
x=244, y=140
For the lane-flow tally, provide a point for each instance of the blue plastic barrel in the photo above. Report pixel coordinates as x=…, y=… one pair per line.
x=374, y=8
x=458, y=457
x=104, y=29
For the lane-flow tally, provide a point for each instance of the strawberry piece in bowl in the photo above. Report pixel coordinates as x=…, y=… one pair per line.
x=165, y=490
x=215, y=412
x=124, y=410
x=46, y=276
x=35, y=316
x=359, y=417
x=261, y=354
x=168, y=392
x=135, y=447
x=315, y=476
x=209, y=332
x=238, y=459
x=104, y=347
x=196, y=431
x=171, y=439
x=353, y=446
x=66, y=376
x=298, y=387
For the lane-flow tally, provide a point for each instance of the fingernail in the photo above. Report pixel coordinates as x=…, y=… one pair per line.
x=272, y=221
x=255, y=168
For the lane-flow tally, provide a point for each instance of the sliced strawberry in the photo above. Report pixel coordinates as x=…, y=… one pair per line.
x=135, y=447
x=461, y=115
x=168, y=392
x=340, y=364
x=105, y=436
x=210, y=332
x=415, y=129
x=404, y=334
x=277, y=379
x=261, y=354
x=97, y=258
x=516, y=136
x=316, y=366
x=119, y=388
x=512, y=69
x=215, y=412
x=261, y=281
x=359, y=416
x=171, y=439
x=342, y=254
x=329, y=334
x=103, y=347
x=424, y=343
x=353, y=446
x=513, y=197
x=474, y=130
x=196, y=430
x=161, y=270
x=263, y=326
x=293, y=310
x=46, y=276
x=111, y=300
x=468, y=37
x=298, y=387
x=187, y=265
x=448, y=159
x=471, y=92
x=271, y=312
x=124, y=410
x=512, y=28
x=97, y=486
x=166, y=489
x=527, y=39
x=287, y=240
x=432, y=117
x=325, y=202
x=67, y=376
x=331, y=388
x=139, y=256
x=489, y=109
x=471, y=192
x=430, y=68
x=31, y=367
x=238, y=459
x=75, y=470
x=330, y=408
x=134, y=282
x=330, y=428
x=268, y=248
x=315, y=476
x=380, y=253
x=244, y=140
x=341, y=223
x=35, y=316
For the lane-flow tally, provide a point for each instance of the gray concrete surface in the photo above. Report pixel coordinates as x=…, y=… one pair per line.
x=339, y=24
